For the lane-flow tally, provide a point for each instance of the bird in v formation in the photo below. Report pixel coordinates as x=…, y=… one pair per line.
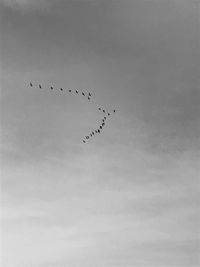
x=99, y=108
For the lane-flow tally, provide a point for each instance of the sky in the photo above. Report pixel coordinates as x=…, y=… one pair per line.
x=129, y=196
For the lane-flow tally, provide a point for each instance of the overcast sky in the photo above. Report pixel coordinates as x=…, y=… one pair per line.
x=129, y=196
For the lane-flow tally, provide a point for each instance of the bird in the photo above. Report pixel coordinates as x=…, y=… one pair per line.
x=88, y=95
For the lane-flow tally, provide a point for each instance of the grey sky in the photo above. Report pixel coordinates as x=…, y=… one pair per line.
x=128, y=197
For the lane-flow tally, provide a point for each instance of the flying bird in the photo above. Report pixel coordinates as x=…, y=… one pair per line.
x=88, y=95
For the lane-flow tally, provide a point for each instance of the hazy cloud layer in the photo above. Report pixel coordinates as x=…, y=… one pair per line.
x=28, y=5
x=130, y=196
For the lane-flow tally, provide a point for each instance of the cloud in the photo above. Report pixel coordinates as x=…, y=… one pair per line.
x=129, y=197
x=28, y=5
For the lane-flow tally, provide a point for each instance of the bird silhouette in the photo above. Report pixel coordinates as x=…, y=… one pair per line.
x=88, y=95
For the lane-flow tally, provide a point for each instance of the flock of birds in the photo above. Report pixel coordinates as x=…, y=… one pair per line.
x=88, y=95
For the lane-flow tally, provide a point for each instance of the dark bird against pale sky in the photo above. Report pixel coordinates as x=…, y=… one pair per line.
x=93, y=132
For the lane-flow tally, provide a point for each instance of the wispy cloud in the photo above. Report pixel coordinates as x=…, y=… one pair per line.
x=129, y=196
x=28, y=5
